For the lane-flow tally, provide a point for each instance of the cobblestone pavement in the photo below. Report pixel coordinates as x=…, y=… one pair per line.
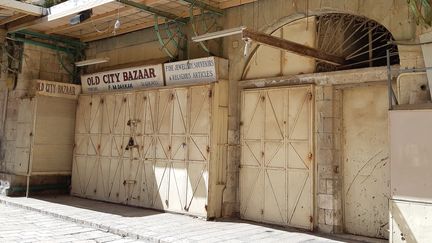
x=21, y=225
x=66, y=217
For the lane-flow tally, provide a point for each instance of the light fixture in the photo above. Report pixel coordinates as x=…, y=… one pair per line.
x=80, y=17
x=219, y=34
x=92, y=61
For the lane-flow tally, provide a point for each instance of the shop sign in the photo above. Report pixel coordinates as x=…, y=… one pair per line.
x=123, y=79
x=57, y=89
x=202, y=70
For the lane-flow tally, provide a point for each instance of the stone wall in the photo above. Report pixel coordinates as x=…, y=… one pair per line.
x=37, y=63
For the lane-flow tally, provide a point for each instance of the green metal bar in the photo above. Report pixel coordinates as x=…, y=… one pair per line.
x=192, y=21
x=161, y=42
x=46, y=45
x=154, y=11
x=170, y=35
x=205, y=6
x=52, y=38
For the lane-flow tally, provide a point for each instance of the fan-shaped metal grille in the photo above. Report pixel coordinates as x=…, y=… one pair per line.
x=361, y=41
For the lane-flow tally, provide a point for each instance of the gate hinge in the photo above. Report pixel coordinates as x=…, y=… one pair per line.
x=311, y=219
x=310, y=156
x=310, y=95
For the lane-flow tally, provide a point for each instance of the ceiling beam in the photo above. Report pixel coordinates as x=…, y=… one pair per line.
x=106, y=15
x=25, y=23
x=12, y=18
x=234, y=3
x=68, y=41
x=152, y=10
x=73, y=7
x=21, y=7
x=143, y=25
x=68, y=27
x=205, y=6
x=293, y=47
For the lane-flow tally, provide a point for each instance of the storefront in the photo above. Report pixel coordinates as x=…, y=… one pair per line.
x=161, y=147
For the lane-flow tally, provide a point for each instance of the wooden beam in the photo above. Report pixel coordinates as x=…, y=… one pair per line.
x=153, y=10
x=205, y=6
x=73, y=7
x=290, y=46
x=68, y=27
x=121, y=31
x=25, y=23
x=106, y=15
x=21, y=7
x=12, y=18
x=234, y=3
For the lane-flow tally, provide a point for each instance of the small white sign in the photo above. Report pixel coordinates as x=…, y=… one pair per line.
x=202, y=70
x=57, y=89
x=123, y=79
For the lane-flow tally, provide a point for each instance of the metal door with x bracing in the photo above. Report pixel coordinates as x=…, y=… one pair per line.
x=276, y=172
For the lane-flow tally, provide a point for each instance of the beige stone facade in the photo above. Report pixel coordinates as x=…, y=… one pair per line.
x=141, y=47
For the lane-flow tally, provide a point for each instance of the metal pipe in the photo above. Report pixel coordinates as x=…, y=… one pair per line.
x=389, y=81
x=66, y=41
x=46, y=45
x=205, y=6
x=154, y=11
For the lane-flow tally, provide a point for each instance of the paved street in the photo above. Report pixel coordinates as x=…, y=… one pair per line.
x=66, y=218
x=21, y=225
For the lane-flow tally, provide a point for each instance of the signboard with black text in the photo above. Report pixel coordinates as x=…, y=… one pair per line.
x=123, y=79
x=201, y=70
x=57, y=89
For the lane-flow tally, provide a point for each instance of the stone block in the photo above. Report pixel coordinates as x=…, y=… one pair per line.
x=328, y=92
x=326, y=171
x=325, y=201
x=325, y=140
x=230, y=194
x=329, y=217
x=330, y=186
x=324, y=156
x=324, y=108
x=325, y=228
x=322, y=186
x=319, y=93
x=321, y=216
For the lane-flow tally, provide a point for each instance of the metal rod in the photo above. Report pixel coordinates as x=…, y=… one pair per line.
x=205, y=6
x=46, y=45
x=389, y=81
x=368, y=44
x=374, y=59
x=362, y=53
x=154, y=11
x=66, y=41
x=343, y=34
x=330, y=42
x=413, y=70
x=349, y=37
x=360, y=38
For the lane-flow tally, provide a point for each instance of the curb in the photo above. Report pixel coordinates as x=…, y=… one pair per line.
x=87, y=223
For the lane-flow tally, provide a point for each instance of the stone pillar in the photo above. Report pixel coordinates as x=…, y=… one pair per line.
x=327, y=144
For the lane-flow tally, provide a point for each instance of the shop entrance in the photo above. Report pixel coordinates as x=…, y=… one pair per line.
x=276, y=174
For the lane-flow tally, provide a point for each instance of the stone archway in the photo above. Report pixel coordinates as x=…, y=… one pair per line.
x=362, y=42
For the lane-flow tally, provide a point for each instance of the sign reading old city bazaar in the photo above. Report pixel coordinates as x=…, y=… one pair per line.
x=57, y=89
x=123, y=79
